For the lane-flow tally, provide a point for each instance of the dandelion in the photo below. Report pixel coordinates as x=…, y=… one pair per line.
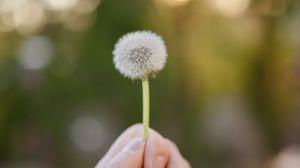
x=138, y=56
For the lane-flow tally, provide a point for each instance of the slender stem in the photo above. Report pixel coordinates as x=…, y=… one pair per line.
x=146, y=106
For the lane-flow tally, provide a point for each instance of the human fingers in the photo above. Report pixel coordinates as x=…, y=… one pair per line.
x=122, y=140
x=156, y=151
x=175, y=158
x=131, y=156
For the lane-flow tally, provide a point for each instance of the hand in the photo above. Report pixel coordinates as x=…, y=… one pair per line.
x=130, y=150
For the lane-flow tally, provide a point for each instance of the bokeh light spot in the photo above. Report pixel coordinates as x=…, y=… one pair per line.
x=231, y=8
x=176, y=3
x=60, y=4
x=87, y=133
x=28, y=17
x=35, y=52
x=85, y=6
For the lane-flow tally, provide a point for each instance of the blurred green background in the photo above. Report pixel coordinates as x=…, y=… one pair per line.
x=229, y=95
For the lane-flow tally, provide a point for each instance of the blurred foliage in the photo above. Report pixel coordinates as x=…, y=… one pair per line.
x=229, y=95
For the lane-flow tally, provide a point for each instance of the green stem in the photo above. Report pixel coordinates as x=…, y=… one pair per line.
x=146, y=106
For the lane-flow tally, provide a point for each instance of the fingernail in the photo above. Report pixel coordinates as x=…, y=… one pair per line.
x=159, y=162
x=135, y=144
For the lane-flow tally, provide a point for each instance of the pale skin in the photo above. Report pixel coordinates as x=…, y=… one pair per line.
x=130, y=150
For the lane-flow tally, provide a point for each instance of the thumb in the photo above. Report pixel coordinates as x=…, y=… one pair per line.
x=131, y=156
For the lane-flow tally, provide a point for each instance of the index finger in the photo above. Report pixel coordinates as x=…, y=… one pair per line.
x=176, y=160
x=130, y=133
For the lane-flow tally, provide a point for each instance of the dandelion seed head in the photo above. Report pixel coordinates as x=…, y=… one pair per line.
x=139, y=54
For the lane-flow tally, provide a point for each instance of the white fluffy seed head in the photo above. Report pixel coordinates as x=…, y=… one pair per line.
x=139, y=54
